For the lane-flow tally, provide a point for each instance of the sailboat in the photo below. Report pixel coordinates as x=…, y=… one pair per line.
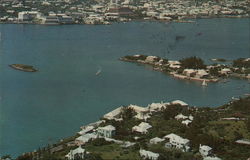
x=204, y=83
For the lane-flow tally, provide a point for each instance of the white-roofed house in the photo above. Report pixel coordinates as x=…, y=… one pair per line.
x=180, y=116
x=186, y=122
x=205, y=150
x=78, y=153
x=113, y=114
x=156, y=140
x=86, y=129
x=177, y=142
x=141, y=128
x=107, y=131
x=148, y=154
x=201, y=73
x=179, y=102
x=85, y=138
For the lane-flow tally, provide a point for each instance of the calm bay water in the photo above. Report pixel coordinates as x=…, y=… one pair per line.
x=40, y=108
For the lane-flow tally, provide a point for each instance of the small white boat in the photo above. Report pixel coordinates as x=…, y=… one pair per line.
x=204, y=83
x=98, y=72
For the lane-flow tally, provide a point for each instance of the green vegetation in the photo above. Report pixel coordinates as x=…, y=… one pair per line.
x=241, y=62
x=192, y=63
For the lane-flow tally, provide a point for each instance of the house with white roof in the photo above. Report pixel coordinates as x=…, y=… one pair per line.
x=113, y=114
x=85, y=138
x=205, y=151
x=86, y=129
x=156, y=140
x=78, y=153
x=107, y=131
x=179, y=102
x=177, y=142
x=180, y=116
x=186, y=122
x=142, y=128
x=148, y=154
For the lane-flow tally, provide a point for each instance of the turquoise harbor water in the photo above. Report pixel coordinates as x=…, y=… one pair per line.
x=40, y=108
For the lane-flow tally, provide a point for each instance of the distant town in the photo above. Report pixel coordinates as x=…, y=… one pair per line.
x=51, y=12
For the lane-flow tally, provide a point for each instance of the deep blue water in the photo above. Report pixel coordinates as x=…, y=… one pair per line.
x=40, y=108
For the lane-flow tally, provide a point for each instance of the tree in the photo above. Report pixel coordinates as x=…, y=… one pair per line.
x=193, y=63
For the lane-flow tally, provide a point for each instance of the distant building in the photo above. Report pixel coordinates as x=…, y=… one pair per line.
x=107, y=131
x=50, y=20
x=78, y=153
x=28, y=15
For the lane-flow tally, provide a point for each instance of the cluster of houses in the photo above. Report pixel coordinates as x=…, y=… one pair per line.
x=104, y=12
x=108, y=132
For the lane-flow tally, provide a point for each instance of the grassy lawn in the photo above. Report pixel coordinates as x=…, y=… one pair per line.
x=113, y=151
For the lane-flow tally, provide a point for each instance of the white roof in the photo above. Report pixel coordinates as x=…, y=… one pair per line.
x=243, y=141
x=149, y=154
x=109, y=127
x=86, y=137
x=179, y=102
x=189, y=70
x=156, y=140
x=75, y=151
x=186, y=122
x=142, y=127
x=157, y=106
x=226, y=70
x=113, y=113
x=205, y=147
x=176, y=138
x=86, y=129
x=174, y=62
x=180, y=116
x=138, y=108
x=202, y=72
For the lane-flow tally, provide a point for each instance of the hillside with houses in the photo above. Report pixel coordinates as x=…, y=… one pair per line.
x=159, y=131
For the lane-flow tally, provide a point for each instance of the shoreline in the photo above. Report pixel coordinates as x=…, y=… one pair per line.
x=68, y=143
x=191, y=19
x=175, y=69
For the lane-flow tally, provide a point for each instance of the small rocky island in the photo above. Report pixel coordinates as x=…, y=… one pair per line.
x=23, y=67
x=193, y=68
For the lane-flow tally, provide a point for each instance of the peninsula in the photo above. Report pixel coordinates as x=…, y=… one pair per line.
x=23, y=67
x=193, y=68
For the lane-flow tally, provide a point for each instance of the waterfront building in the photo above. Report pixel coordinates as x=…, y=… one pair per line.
x=28, y=15
x=107, y=131
x=50, y=20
